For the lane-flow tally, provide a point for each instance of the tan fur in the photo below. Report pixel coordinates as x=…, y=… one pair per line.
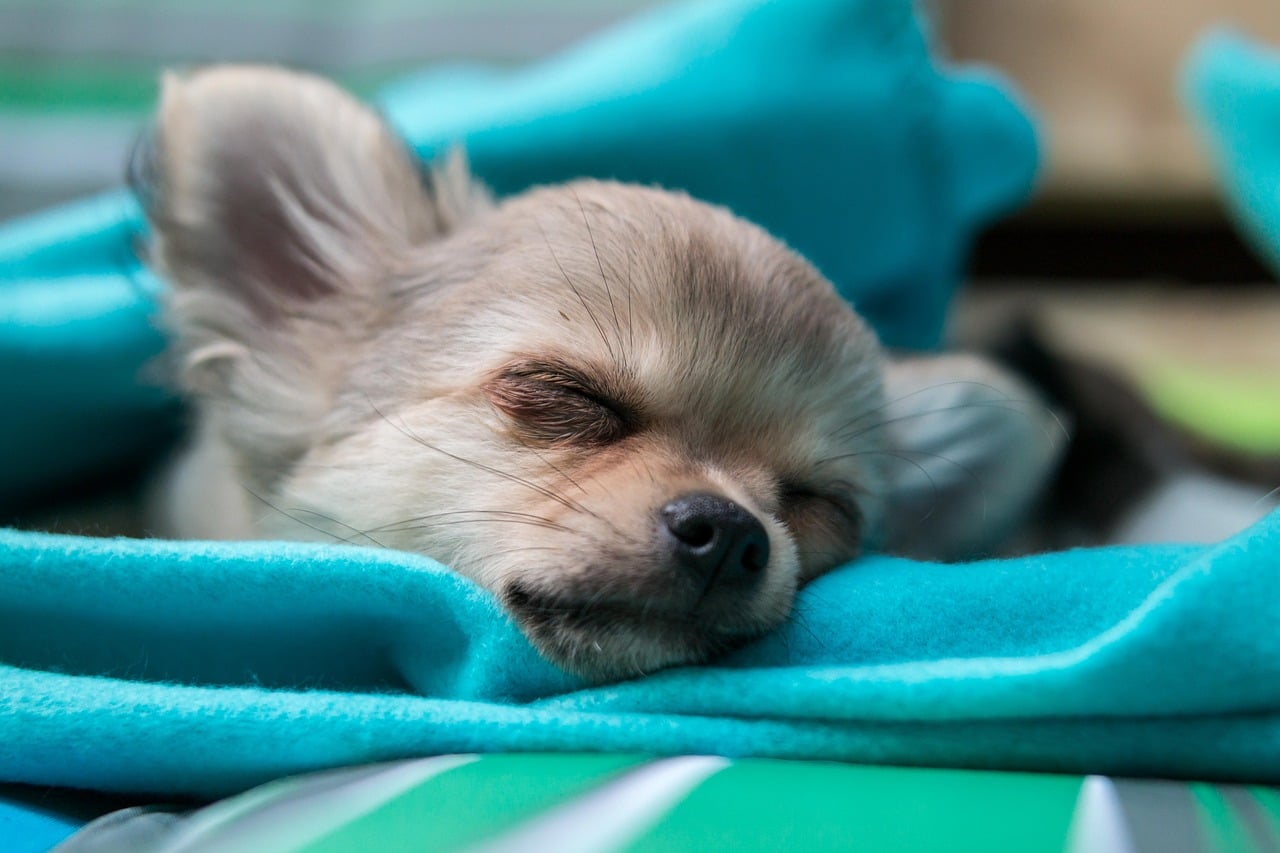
x=391, y=360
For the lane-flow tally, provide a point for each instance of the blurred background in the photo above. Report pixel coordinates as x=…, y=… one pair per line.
x=1126, y=192
x=78, y=76
x=1123, y=290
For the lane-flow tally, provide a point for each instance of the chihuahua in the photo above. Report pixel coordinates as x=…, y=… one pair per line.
x=639, y=420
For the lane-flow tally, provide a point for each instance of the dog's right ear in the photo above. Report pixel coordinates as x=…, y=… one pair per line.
x=275, y=197
x=280, y=210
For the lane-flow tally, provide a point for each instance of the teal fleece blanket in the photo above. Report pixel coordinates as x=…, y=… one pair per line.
x=206, y=668
x=1231, y=86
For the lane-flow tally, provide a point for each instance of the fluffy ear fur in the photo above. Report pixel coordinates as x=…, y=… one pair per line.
x=970, y=449
x=279, y=207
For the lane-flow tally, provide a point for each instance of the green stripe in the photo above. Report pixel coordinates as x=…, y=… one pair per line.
x=113, y=88
x=65, y=84
x=1224, y=831
x=474, y=802
x=812, y=806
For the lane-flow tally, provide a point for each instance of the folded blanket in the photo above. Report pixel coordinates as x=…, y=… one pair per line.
x=204, y=669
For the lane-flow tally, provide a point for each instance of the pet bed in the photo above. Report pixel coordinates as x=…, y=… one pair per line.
x=203, y=669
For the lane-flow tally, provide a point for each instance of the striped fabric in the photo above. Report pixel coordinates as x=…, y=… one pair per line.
x=77, y=76
x=595, y=803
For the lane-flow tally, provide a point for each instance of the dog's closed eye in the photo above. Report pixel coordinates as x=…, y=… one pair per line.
x=554, y=404
x=825, y=518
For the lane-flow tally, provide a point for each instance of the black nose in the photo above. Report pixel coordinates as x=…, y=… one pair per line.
x=716, y=540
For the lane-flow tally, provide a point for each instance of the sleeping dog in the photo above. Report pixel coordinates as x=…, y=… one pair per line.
x=642, y=422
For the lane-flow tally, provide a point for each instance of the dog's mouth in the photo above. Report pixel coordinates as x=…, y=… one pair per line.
x=612, y=640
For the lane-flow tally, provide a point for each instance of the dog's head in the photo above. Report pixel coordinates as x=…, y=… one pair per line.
x=642, y=422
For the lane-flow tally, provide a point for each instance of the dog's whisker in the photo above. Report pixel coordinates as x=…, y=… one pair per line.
x=432, y=525
x=526, y=549
x=450, y=513
x=289, y=515
x=603, y=278
x=498, y=517
x=631, y=326
x=355, y=531
x=545, y=492
x=594, y=320
x=553, y=466
x=1268, y=496
x=905, y=455
x=901, y=453
x=581, y=508
x=870, y=413
x=1022, y=407
x=802, y=623
x=446, y=513
x=438, y=519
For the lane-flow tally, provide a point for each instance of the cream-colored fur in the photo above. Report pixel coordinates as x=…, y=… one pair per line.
x=517, y=389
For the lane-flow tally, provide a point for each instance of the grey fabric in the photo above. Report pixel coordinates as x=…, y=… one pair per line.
x=134, y=830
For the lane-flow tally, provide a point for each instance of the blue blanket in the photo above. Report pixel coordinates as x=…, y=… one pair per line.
x=1231, y=86
x=202, y=668
x=207, y=668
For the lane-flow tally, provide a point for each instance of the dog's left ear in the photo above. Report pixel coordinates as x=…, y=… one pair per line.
x=969, y=449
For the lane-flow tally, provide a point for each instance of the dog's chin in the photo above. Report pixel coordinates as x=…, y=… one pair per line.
x=612, y=641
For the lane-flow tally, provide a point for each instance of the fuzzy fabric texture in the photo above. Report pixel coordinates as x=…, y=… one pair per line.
x=205, y=669
x=1231, y=86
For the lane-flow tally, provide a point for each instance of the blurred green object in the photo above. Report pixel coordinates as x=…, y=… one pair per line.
x=1236, y=411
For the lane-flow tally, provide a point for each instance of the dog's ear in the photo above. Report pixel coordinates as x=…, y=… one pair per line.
x=279, y=209
x=969, y=449
x=272, y=196
x=274, y=188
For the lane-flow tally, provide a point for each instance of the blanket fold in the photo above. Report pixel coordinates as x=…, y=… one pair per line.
x=206, y=668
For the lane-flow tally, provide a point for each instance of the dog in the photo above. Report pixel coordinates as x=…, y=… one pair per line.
x=640, y=421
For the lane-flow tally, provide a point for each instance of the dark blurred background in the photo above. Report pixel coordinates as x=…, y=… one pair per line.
x=1127, y=190
x=1124, y=290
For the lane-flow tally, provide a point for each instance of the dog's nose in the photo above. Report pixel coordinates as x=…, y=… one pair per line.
x=716, y=539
